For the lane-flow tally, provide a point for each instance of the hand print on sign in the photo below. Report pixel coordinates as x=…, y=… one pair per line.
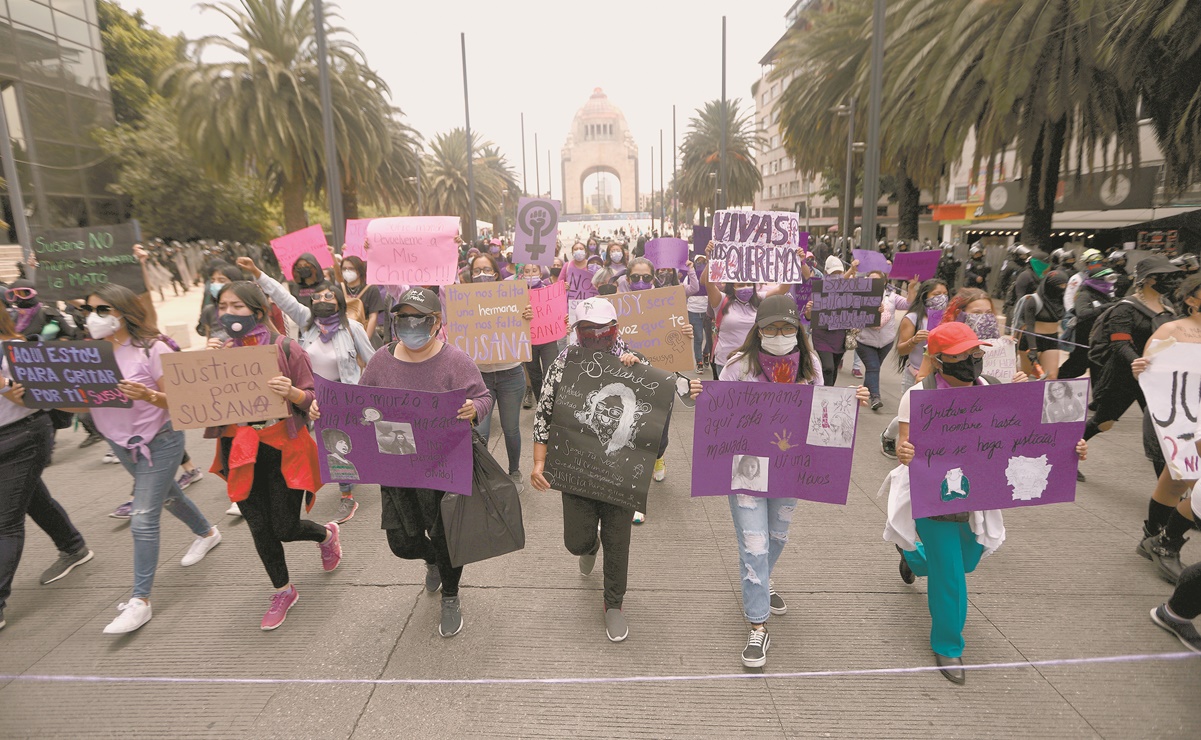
x=783, y=441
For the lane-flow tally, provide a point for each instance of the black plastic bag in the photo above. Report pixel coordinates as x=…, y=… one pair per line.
x=487, y=523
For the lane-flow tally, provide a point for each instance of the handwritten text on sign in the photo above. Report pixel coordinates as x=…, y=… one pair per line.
x=222, y=386
x=756, y=247
x=486, y=321
x=393, y=437
x=799, y=438
x=66, y=374
x=549, y=305
x=847, y=303
x=652, y=321
x=986, y=447
x=289, y=247
x=1172, y=386
x=415, y=250
x=74, y=262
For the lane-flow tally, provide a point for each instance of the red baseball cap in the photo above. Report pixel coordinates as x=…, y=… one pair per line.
x=952, y=338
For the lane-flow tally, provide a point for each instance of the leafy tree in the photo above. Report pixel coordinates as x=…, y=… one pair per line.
x=135, y=56
x=700, y=154
x=444, y=177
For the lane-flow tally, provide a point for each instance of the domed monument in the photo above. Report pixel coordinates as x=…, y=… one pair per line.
x=599, y=141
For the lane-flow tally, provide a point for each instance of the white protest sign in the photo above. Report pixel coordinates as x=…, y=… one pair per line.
x=1172, y=387
x=1000, y=360
x=756, y=247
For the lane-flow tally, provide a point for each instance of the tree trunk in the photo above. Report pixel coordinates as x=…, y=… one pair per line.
x=909, y=207
x=1043, y=170
x=293, y=197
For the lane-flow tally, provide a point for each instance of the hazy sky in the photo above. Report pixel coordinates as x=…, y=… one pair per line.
x=543, y=58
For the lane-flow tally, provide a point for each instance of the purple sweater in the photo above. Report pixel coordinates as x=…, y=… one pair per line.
x=449, y=370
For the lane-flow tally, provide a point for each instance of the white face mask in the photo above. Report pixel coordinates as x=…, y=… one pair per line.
x=778, y=346
x=101, y=327
x=350, y=275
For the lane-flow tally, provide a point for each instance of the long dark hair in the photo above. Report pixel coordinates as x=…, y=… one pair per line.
x=143, y=333
x=255, y=300
x=471, y=265
x=919, y=312
x=339, y=298
x=1186, y=289
x=359, y=266
x=752, y=345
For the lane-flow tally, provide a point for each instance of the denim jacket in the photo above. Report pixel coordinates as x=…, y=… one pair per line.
x=348, y=345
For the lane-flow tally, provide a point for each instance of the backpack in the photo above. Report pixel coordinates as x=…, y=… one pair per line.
x=1099, y=344
x=1019, y=309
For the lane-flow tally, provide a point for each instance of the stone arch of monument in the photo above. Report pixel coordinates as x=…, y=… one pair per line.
x=599, y=141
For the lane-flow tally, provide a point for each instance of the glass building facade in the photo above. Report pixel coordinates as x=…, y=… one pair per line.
x=54, y=92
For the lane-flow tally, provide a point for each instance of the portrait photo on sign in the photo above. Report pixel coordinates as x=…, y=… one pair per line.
x=614, y=415
x=1065, y=400
x=338, y=447
x=395, y=438
x=749, y=473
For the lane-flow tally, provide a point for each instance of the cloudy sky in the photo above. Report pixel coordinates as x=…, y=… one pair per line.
x=543, y=58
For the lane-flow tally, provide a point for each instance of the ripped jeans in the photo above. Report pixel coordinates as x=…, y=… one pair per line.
x=762, y=528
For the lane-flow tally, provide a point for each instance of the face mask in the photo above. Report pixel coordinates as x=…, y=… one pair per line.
x=966, y=370
x=215, y=290
x=744, y=295
x=494, y=251
x=483, y=278
x=578, y=255
x=534, y=282
x=27, y=302
x=414, y=338
x=983, y=324
x=303, y=273
x=593, y=248
x=778, y=346
x=782, y=368
x=598, y=339
x=237, y=326
x=100, y=327
x=554, y=271
x=937, y=303
x=593, y=269
x=640, y=284
x=616, y=257
x=1166, y=284
x=324, y=309
x=350, y=275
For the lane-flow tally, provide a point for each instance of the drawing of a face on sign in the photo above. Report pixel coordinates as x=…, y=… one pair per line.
x=614, y=415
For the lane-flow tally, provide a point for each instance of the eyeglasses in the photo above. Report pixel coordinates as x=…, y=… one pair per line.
x=640, y=278
x=15, y=294
x=482, y=271
x=100, y=310
x=413, y=322
x=976, y=354
x=775, y=331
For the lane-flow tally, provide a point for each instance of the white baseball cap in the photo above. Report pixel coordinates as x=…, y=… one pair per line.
x=595, y=310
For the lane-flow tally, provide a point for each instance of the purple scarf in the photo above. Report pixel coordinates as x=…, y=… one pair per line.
x=1101, y=285
x=328, y=326
x=257, y=336
x=782, y=369
x=25, y=316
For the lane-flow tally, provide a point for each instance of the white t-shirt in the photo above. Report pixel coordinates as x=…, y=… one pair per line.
x=324, y=359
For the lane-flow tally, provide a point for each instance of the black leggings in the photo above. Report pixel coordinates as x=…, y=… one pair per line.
x=412, y=520
x=830, y=363
x=1186, y=599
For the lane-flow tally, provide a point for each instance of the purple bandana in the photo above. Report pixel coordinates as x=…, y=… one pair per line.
x=25, y=317
x=782, y=369
x=328, y=326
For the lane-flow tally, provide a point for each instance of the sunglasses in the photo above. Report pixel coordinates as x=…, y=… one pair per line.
x=15, y=294
x=100, y=310
x=640, y=278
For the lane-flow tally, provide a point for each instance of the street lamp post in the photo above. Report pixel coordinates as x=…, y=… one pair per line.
x=504, y=205
x=871, y=160
x=848, y=197
x=470, y=144
x=713, y=184
x=333, y=180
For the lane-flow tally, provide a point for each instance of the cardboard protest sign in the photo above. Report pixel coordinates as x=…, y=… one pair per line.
x=549, y=306
x=412, y=250
x=356, y=238
x=216, y=387
x=66, y=374
x=756, y=247
x=1000, y=360
x=922, y=265
x=1172, y=387
x=536, y=231
x=667, y=252
x=995, y=446
x=871, y=261
x=74, y=262
x=847, y=303
x=579, y=282
x=606, y=428
x=651, y=322
x=485, y=320
x=289, y=247
x=701, y=236
x=393, y=437
x=776, y=440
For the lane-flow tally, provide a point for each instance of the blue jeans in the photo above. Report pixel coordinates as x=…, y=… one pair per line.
x=762, y=528
x=544, y=356
x=507, y=388
x=873, y=359
x=154, y=488
x=948, y=551
x=697, y=320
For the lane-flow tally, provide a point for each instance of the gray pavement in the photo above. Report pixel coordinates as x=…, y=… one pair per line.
x=1067, y=584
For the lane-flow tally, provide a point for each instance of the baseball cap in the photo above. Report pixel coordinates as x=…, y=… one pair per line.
x=777, y=308
x=595, y=310
x=952, y=338
x=423, y=299
x=833, y=264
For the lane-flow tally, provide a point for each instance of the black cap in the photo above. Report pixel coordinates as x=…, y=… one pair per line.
x=1155, y=264
x=777, y=308
x=423, y=299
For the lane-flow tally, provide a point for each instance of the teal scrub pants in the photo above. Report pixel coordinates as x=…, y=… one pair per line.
x=948, y=551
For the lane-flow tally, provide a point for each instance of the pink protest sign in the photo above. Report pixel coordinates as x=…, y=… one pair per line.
x=289, y=247
x=356, y=238
x=412, y=250
x=922, y=265
x=549, y=305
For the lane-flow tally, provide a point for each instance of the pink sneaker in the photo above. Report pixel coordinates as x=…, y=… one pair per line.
x=281, y=602
x=331, y=550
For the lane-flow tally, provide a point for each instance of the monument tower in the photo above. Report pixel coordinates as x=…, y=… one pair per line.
x=599, y=141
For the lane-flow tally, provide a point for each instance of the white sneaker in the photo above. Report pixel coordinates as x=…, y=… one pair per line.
x=134, y=614
x=233, y=510
x=200, y=548
x=639, y=517
x=110, y=458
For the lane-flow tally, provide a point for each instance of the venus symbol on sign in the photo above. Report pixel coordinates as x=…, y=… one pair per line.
x=537, y=219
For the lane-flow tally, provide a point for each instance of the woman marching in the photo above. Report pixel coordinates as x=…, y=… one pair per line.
x=270, y=465
x=911, y=340
x=338, y=348
x=776, y=351
x=144, y=442
x=875, y=343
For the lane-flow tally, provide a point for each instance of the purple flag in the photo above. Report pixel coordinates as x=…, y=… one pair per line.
x=995, y=446
x=667, y=252
x=393, y=437
x=776, y=440
x=701, y=236
x=906, y=265
x=537, y=230
x=871, y=261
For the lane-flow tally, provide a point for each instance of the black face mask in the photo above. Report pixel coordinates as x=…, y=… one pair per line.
x=303, y=273
x=324, y=309
x=554, y=271
x=1165, y=284
x=966, y=370
x=27, y=303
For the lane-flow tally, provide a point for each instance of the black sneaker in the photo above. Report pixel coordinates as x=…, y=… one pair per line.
x=91, y=439
x=754, y=655
x=907, y=574
x=1080, y=477
x=775, y=601
x=1182, y=628
x=66, y=563
x=888, y=446
x=876, y=403
x=528, y=401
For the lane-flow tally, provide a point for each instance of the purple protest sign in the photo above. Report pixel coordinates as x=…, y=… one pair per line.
x=871, y=261
x=356, y=238
x=667, y=252
x=393, y=437
x=923, y=265
x=776, y=440
x=536, y=232
x=995, y=446
x=847, y=303
x=701, y=236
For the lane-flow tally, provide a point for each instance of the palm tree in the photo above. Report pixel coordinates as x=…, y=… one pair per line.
x=444, y=177
x=700, y=154
x=391, y=186
x=261, y=113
